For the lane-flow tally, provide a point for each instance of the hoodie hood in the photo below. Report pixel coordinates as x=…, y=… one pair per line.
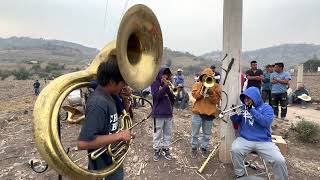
x=254, y=94
x=161, y=72
x=206, y=71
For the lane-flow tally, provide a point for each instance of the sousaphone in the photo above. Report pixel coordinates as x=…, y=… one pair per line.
x=138, y=48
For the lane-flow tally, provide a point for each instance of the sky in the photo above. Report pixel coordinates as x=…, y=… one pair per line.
x=187, y=25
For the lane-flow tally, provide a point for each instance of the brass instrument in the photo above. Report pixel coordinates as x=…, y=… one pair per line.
x=173, y=89
x=207, y=82
x=118, y=150
x=233, y=109
x=74, y=116
x=204, y=164
x=138, y=48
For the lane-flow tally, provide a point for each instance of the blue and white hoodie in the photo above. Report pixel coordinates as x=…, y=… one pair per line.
x=255, y=124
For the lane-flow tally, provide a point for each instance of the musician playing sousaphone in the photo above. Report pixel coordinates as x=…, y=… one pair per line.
x=207, y=95
x=101, y=117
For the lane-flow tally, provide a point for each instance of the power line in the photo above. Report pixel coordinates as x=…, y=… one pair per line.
x=105, y=16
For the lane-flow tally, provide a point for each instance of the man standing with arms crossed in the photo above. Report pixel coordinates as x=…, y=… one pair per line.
x=254, y=76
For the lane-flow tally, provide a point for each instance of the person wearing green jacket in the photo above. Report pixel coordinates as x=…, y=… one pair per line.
x=266, y=87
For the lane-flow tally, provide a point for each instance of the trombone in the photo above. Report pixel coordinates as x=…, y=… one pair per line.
x=207, y=82
x=213, y=152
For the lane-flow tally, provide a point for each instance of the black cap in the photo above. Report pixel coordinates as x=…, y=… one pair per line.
x=213, y=66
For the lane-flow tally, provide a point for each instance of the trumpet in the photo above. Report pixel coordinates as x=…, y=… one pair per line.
x=234, y=109
x=172, y=88
x=207, y=82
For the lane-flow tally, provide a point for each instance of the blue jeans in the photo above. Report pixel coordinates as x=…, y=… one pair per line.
x=206, y=125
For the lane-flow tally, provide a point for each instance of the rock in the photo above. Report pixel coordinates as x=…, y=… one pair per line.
x=135, y=159
x=3, y=124
x=274, y=126
x=165, y=165
x=25, y=112
x=146, y=158
x=17, y=164
x=127, y=169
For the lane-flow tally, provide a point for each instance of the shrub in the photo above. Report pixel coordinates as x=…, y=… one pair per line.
x=4, y=74
x=307, y=131
x=51, y=67
x=36, y=67
x=21, y=74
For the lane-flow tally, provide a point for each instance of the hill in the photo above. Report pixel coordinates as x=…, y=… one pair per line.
x=25, y=49
x=290, y=54
x=20, y=52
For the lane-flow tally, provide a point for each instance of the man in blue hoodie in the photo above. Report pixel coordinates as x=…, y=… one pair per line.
x=255, y=135
x=163, y=100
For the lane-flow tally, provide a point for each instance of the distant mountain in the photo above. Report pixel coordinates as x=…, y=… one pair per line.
x=290, y=54
x=19, y=51
x=25, y=49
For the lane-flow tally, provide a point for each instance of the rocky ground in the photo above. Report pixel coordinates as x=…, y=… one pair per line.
x=17, y=147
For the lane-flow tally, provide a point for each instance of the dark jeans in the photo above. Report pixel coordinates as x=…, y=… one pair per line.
x=282, y=99
x=36, y=91
x=116, y=175
x=181, y=103
x=266, y=95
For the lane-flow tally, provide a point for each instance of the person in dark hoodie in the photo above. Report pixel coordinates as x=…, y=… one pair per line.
x=204, y=110
x=254, y=125
x=163, y=100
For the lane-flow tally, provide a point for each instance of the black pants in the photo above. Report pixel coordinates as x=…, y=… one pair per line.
x=282, y=99
x=266, y=95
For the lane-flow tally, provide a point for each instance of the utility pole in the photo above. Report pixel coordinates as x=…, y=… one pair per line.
x=232, y=43
x=300, y=75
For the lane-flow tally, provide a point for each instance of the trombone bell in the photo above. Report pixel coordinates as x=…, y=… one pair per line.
x=207, y=82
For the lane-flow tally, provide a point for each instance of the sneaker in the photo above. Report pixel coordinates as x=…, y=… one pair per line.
x=167, y=154
x=204, y=153
x=284, y=119
x=238, y=177
x=193, y=153
x=156, y=156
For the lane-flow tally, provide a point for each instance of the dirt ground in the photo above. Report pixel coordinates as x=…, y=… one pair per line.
x=17, y=147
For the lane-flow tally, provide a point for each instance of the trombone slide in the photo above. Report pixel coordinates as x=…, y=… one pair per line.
x=213, y=152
